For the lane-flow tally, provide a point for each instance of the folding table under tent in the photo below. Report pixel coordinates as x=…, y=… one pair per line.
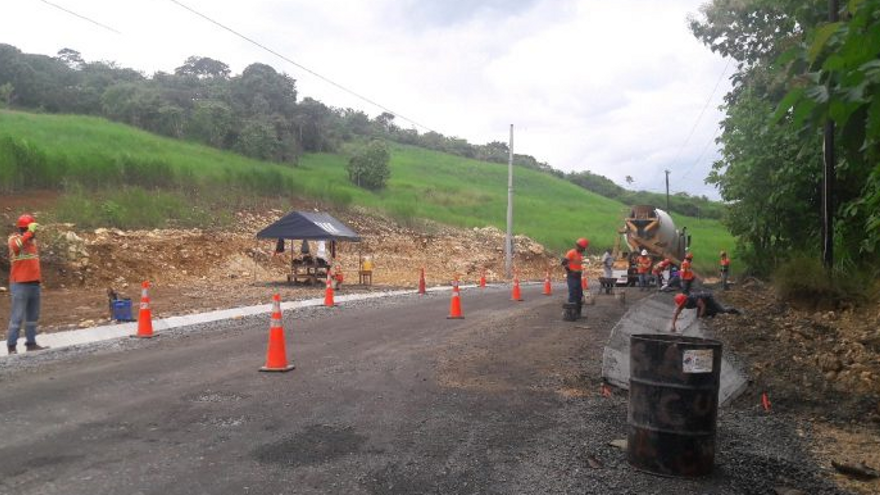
x=308, y=226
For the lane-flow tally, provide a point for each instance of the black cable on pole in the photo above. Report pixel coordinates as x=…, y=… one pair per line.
x=108, y=28
x=310, y=71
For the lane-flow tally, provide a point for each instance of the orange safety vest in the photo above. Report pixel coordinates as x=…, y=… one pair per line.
x=24, y=258
x=644, y=264
x=574, y=260
x=686, y=272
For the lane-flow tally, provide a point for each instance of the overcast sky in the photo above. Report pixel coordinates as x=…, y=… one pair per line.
x=610, y=86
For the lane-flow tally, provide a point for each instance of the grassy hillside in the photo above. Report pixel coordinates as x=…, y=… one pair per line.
x=126, y=168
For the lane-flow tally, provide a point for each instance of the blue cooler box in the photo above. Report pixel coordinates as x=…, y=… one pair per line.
x=120, y=310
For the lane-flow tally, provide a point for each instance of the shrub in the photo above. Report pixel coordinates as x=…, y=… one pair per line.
x=803, y=280
x=368, y=168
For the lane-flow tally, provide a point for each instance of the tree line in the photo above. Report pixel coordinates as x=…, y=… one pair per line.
x=256, y=113
x=796, y=70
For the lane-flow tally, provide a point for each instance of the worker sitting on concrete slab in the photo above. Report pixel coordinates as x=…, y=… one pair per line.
x=703, y=302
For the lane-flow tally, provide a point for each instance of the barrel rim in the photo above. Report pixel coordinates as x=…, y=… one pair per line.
x=675, y=339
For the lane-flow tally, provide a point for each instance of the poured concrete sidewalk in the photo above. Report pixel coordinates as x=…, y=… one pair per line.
x=653, y=315
x=108, y=332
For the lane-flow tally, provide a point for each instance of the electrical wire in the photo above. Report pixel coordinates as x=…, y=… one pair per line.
x=310, y=71
x=108, y=28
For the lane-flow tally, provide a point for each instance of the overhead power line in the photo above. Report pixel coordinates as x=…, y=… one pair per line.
x=96, y=23
x=703, y=111
x=310, y=71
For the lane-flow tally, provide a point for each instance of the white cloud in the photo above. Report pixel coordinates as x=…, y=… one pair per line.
x=612, y=87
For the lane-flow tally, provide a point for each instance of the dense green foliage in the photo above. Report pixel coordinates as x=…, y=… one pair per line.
x=86, y=157
x=682, y=203
x=368, y=168
x=795, y=69
x=256, y=114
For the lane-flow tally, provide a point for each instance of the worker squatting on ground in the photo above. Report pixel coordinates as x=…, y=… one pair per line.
x=687, y=273
x=704, y=303
x=644, y=267
x=725, y=269
x=24, y=285
x=659, y=268
x=574, y=267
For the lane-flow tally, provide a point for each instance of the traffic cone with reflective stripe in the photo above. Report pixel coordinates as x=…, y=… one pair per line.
x=145, y=316
x=517, y=293
x=455, y=305
x=276, y=354
x=483, y=279
x=328, y=294
x=422, y=289
x=548, y=288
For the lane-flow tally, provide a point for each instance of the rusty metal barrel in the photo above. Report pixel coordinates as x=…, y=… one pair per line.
x=673, y=404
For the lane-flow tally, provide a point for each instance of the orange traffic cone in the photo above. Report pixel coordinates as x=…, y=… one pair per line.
x=328, y=294
x=548, y=289
x=517, y=293
x=585, y=285
x=483, y=279
x=276, y=355
x=455, y=305
x=422, y=289
x=765, y=402
x=145, y=317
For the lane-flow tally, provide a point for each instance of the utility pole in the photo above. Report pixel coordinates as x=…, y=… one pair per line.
x=828, y=175
x=508, y=242
x=667, y=191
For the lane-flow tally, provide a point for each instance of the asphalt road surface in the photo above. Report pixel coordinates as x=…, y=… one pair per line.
x=388, y=397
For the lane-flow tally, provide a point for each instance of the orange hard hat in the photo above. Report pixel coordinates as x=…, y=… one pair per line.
x=24, y=221
x=680, y=299
x=583, y=243
x=689, y=256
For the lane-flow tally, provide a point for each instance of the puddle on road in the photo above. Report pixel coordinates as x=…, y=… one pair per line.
x=317, y=444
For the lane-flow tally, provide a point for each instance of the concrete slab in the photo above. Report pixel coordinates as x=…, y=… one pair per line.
x=653, y=316
x=107, y=332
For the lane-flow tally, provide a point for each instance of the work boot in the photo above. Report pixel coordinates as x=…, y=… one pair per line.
x=10, y=349
x=34, y=347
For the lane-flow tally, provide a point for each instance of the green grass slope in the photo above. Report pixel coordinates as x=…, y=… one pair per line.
x=98, y=156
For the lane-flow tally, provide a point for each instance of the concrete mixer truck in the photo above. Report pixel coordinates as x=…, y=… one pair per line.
x=650, y=229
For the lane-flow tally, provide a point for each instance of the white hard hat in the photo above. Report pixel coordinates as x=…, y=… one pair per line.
x=644, y=252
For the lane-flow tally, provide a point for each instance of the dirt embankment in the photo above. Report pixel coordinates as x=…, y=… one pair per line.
x=195, y=270
x=821, y=366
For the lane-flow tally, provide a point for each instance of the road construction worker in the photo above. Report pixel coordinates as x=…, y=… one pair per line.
x=704, y=303
x=644, y=266
x=659, y=268
x=687, y=273
x=607, y=264
x=24, y=285
x=725, y=269
x=573, y=263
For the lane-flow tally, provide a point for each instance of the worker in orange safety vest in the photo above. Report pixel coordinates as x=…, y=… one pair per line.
x=573, y=262
x=725, y=270
x=24, y=285
x=687, y=273
x=644, y=263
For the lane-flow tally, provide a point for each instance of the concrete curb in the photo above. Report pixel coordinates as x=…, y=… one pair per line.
x=69, y=338
x=653, y=316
